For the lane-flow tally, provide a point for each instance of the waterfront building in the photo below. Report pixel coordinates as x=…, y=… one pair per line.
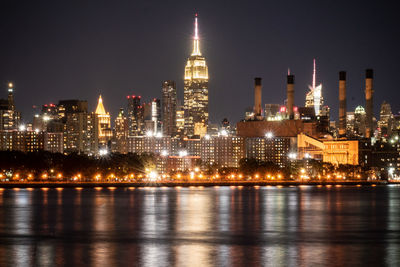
x=386, y=156
x=193, y=146
x=271, y=149
x=156, y=145
x=336, y=152
x=53, y=142
x=169, y=108
x=182, y=163
x=31, y=141
x=196, y=91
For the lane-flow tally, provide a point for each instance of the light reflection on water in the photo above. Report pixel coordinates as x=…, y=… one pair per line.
x=216, y=226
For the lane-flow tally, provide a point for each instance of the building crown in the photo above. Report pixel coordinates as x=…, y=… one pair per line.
x=100, y=108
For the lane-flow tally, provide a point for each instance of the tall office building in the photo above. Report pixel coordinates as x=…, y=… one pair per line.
x=104, y=120
x=314, y=97
x=121, y=133
x=135, y=115
x=81, y=133
x=9, y=117
x=169, y=108
x=180, y=121
x=386, y=120
x=196, y=90
x=71, y=106
x=152, y=116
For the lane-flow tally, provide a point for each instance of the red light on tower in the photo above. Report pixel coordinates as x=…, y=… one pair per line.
x=127, y=96
x=283, y=109
x=295, y=109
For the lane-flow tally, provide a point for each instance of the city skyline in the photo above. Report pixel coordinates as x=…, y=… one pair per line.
x=230, y=94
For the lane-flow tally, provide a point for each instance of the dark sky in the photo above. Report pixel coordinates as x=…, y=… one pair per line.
x=56, y=50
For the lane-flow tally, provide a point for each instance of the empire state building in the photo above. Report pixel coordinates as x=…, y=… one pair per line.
x=196, y=90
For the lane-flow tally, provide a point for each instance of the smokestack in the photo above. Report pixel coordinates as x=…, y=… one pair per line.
x=257, y=97
x=369, y=73
x=290, y=95
x=342, y=104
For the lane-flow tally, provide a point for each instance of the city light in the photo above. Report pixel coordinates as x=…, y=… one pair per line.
x=183, y=153
x=223, y=133
x=22, y=127
x=103, y=152
x=153, y=176
x=269, y=135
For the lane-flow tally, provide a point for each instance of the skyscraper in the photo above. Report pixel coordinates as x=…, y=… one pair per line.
x=105, y=132
x=196, y=90
x=152, y=116
x=386, y=118
x=135, y=115
x=314, y=97
x=9, y=117
x=169, y=108
x=120, y=133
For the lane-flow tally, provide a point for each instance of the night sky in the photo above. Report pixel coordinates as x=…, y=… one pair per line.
x=56, y=50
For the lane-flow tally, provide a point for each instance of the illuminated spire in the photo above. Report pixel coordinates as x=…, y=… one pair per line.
x=314, y=75
x=196, y=43
x=100, y=108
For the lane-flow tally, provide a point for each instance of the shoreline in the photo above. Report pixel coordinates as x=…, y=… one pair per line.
x=185, y=184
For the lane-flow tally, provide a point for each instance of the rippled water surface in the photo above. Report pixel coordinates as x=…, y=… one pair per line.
x=215, y=226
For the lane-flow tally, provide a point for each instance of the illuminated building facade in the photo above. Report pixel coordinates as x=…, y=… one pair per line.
x=355, y=122
x=386, y=120
x=65, y=107
x=104, y=123
x=81, y=133
x=196, y=91
x=169, y=102
x=180, y=121
x=314, y=97
x=271, y=149
x=31, y=141
x=152, y=116
x=149, y=144
x=9, y=116
x=121, y=131
x=336, y=152
x=135, y=115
